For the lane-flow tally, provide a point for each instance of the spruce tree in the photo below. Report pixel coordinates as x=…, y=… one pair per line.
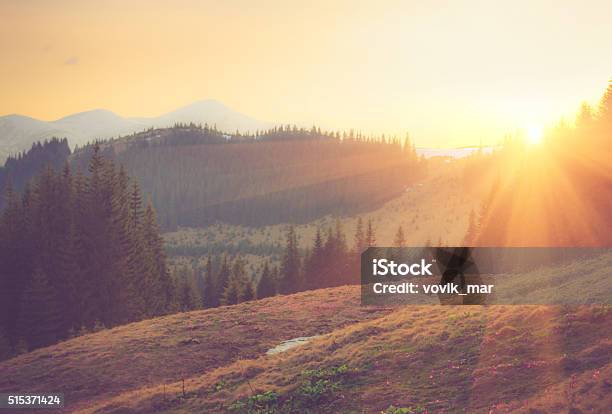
x=400, y=238
x=341, y=247
x=159, y=282
x=370, y=235
x=266, y=286
x=186, y=297
x=472, y=230
x=39, y=316
x=290, y=268
x=209, y=297
x=235, y=291
x=232, y=292
x=222, y=280
x=313, y=263
x=6, y=349
x=248, y=291
x=360, y=241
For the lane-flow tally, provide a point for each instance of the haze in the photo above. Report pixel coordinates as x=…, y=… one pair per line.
x=451, y=73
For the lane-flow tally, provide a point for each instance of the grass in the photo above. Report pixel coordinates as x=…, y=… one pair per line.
x=151, y=353
x=434, y=359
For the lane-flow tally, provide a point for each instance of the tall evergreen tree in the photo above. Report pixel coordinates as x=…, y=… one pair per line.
x=290, y=268
x=360, y=240
x=400, y=238
x=209, y=297
x=266, y=286
x=39, y=317
x=186, y=292
x=159, y=282
x=239, y=287
x=6, y=349
x=472, y=230
x=222, y=280
x=248, y=291
x=313, y=263
x=370, y=234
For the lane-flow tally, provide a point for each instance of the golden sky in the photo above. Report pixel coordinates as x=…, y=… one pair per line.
x=449, y=72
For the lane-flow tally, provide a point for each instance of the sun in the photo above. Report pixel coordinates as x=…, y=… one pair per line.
x=534, y=134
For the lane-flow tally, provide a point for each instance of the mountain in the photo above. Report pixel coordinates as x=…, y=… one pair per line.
x=98, y=123
x=209, y=111
x=18, y=132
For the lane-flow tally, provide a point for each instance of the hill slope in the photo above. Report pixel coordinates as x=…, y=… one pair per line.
x=163, y=350
x=198, y=176
x=426, y=358
x=423, y=359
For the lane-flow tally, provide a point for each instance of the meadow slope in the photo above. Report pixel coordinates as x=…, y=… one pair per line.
x=98, y=366
x=427, y=359
x=434, y=359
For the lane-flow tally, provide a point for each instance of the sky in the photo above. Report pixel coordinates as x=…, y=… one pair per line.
x=451, y=73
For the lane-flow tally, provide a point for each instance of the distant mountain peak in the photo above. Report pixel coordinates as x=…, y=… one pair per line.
x=98, y=112
x=18, y=132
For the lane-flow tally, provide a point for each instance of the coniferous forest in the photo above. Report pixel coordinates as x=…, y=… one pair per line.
x=197, y=175
x=19, y=169
x=79, y=250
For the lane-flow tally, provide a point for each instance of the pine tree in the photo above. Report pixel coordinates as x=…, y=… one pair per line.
x=340, y=239
x=209, y=298
x=127, y=272
x=370, y=235
x=159, y=282
x=266, y=286
x=17, y=242
x=248, y=291
x=472, y=230
x=6, y=350
x=400, y=239
x=360, y=241
x=290, y=268
x=605, y=107
x=68, y=270
x=86, y=283
x=39, y=316
x=232, y=292
x=235, y=292
x=313, y=263
x=187, y=297
x=222, y=280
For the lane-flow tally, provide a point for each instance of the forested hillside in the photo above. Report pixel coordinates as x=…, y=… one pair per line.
x=19, y=169
x=78, y=252
x=198, y=175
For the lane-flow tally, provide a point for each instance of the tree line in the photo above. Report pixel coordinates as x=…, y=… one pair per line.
x=328, y=262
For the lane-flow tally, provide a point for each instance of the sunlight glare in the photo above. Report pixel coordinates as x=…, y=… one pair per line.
x=534, y=135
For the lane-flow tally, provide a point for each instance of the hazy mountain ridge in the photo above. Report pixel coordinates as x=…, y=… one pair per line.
x=18, y=132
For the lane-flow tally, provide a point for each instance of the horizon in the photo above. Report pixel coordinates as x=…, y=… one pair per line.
x=482, y=72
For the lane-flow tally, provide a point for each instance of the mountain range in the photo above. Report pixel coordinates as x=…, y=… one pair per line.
x=18, y=132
